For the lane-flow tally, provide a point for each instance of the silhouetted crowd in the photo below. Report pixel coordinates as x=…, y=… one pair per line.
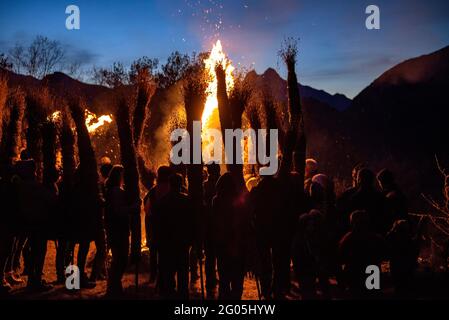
x=269, y=228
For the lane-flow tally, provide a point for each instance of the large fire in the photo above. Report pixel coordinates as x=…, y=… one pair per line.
x=93, y=122
x=217, y=56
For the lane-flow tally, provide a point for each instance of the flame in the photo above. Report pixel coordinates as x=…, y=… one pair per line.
x=55, y=116
x=217, y=56
x=93, y=122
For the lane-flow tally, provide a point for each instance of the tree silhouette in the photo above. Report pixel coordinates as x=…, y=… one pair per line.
x=12, y=123
x=130, y=173
x=38, y=101
x=3, y=97
x=173, y=70
x=230, y=113
x=194, y=92
x=67, y=140
x=295, y=138
x=5, y=63
x=87, y=161
x=39, y=59
x=145, y=90
x=238, y=100
x=111, y=77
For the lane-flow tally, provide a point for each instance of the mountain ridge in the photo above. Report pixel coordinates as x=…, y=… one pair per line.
x=278, y=85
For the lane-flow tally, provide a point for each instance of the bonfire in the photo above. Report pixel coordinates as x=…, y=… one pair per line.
x=93, y=122
x=216, y=57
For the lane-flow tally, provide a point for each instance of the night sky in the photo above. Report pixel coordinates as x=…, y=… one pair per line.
x=337, y=52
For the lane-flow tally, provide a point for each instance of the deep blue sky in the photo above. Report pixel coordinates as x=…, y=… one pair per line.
x=337, y=52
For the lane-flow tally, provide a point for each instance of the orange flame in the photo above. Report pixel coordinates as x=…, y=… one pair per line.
x=55, y=116
x=217, y=56
x=93, y=122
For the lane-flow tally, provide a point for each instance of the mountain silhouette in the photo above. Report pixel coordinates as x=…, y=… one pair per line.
x=401, y=120
x=62, y=85
x=278, y=88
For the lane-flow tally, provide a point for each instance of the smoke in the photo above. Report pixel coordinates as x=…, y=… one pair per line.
x=166, y=113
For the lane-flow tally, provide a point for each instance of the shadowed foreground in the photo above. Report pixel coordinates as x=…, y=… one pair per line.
x=429, y=286
x=145, y=291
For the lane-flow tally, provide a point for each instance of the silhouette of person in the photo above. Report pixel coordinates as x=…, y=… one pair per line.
x=12, y=266
x=358, y=249
x=213, y=174
x=117, y=211
x=8, y=228
x=396, y=202
x=404, y=251
x=173, y=236
x=36, y=205
x=312, y=253
x=311, y=169
x=322, y=195
x=343, y=203
x=294, y=202
x=322, y=199
x=265, y=200
x=231, y=226
x=98, y=264
x=86, y=218
x=65, y=235
x=152, y=197
x=368, y=198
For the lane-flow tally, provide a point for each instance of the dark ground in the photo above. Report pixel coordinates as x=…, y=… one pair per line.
x=428, y=285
